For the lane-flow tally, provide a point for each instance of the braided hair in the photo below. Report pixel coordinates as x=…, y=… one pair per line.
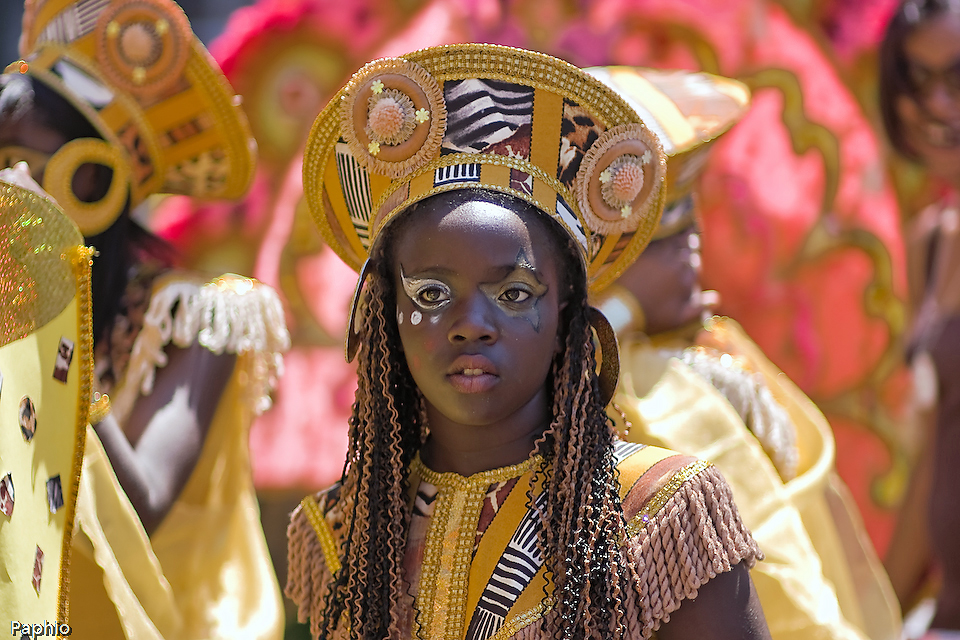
x=582, y=521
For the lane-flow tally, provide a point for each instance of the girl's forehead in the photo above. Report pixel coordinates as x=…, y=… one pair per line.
x=470, y=222
x=935, y=42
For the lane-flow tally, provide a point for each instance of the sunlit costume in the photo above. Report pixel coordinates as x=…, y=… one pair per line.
x=169, y=123
x=287, y=58
x=708, y=390
x=468, y=116
x=801, y=227
x=46, y=370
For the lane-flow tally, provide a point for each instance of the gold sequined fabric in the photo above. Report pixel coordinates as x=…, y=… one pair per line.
x=35, y=243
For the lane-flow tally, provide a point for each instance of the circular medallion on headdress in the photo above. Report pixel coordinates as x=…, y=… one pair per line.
x=143, y=45
x=394, y=116
x=619, y=178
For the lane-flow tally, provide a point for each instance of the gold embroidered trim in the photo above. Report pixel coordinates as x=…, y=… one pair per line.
x=449, y=544
x=324, y=535
x=81, y=260
x=452, y=159
x=538, y=70
x=656, y=503
x=515, y=624
x=483, y=479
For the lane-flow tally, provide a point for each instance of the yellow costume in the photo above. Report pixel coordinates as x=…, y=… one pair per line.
x=168, y=122
x=716, y=396
x=473, y=566
x=205, y=572
x=46, y=369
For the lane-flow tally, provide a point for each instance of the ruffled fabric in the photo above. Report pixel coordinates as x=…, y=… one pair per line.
x=231, y=314
x=694, y=535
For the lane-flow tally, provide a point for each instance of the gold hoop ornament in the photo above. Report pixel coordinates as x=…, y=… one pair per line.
x=143, y=45
x=91, y=217
x=609, y=373
x=394, y=116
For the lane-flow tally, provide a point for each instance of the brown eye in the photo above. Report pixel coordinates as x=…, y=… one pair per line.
x=432, y=296
x=515, y=295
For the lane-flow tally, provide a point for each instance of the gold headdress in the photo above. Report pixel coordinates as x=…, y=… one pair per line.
x=492, y=117
x=46, y=371
x=169, y=120
x=688, y=112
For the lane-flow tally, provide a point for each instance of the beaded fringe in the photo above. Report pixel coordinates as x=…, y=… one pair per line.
x=697, y=535
x=308, y=576
x=231, y=314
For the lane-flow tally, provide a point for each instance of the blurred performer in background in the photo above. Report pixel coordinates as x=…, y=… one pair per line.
x=920, y=101
x=706, y=389
x=115, y=101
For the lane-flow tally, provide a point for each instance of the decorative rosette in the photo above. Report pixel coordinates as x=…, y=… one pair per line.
x=619, y=178
x=394, y=116
x=143, y=45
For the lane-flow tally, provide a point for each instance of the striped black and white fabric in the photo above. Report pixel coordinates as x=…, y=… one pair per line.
x=517, y=566
x=481, y=113
x=74, y=22
x=355, y=183
x=457, y=173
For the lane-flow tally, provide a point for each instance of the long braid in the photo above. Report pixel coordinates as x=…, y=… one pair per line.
x=589, y=573
x=385, y=434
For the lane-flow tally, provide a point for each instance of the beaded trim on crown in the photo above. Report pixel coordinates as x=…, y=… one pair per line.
x=489, y=117
x=134, y=69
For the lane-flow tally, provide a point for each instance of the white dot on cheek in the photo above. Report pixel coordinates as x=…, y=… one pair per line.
x=434, y=319
x=399, y=317
x=415, y=318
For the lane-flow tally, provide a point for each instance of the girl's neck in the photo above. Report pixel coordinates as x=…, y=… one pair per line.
x=470, y=449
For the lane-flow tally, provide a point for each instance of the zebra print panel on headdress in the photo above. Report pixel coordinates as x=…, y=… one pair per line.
x=481, y=113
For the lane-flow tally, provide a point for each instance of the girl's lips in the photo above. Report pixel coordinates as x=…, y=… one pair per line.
x=473, y=383
x=473, y=373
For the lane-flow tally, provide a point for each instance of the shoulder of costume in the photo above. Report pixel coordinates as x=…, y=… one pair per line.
x=228, y=314
x=312, y=550
x=682, y=528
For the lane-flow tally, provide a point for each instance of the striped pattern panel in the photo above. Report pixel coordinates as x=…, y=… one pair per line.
x=355, y=183
x=481, y=113
x=456, y=173
x=565, y=213
x=73, y=22
x=519, y=564
x=623, y=450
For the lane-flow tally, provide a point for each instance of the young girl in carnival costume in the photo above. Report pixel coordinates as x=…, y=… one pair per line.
x=116, y=100
x=482, y=191
x=920, y=103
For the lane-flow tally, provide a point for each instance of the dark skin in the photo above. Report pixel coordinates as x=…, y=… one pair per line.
x=156, y=450
x=665, y=279
x=927, y=524
x=486, y=267
x=491, y=279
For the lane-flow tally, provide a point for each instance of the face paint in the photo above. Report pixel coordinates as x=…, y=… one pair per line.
x=518, y=294
x=428, y=294
x=399, y=317
x=415, y=318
